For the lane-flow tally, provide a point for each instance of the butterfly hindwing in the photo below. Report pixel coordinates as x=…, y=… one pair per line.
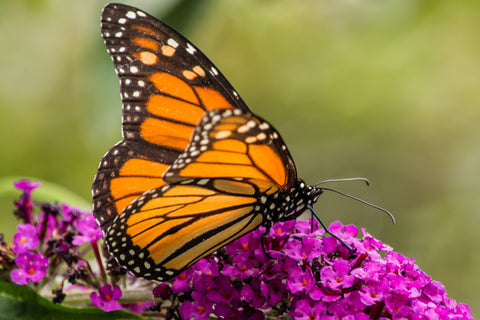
x=170, y=228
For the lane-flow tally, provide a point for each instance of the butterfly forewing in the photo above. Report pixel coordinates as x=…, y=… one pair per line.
x=233, y=144
x=167, y=86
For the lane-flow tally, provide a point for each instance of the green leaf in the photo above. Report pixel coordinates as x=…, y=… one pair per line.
x=22, y=303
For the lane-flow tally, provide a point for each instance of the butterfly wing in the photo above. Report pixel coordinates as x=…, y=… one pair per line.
x=168, y=229
x=226, y=184
x=167, y=85
x=233, y=144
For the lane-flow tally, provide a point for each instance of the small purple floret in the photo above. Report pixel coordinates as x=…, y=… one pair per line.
x=89, y=230
x=107, y=297
x=33, y=268
x=25, y=239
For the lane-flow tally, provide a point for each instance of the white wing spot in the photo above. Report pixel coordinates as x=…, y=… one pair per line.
x=172, y=42
x=122, y=20
x=216, y=118
x=141, y=13
x=133, y=69
x=190, y=49
x=131, y=15
x=243, y=129
x=141, y=83
x=118, y=34
x=214, y=71
x=261, y=136
x=203, y=182
x=263, y=126
x=223, y=134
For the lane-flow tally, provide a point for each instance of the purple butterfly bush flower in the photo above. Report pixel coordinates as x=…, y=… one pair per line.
x=33, y=268
x=89, y=230
x=298, y=273
x=25, y=239
x=24, y=205
x=107, y=297
x=310, y=277
x=52, y=239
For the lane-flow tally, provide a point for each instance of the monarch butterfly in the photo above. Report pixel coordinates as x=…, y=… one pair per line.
x=196, y=168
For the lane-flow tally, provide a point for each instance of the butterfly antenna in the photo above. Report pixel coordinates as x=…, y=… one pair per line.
x=363, y=201
x=344, y=179
x=326, y=229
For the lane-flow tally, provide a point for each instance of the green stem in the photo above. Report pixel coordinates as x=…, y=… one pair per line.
x=99, y=260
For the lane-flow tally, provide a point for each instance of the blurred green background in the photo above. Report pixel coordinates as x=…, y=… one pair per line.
x=388, y=90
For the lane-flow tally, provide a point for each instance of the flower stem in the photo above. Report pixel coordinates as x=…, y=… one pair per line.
x=94, y=244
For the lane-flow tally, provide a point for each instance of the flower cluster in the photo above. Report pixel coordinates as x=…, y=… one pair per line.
x=52, y=244
x=292, y=272
x=309, y=277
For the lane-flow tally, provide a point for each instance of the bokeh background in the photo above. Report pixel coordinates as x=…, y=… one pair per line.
x=388, y=90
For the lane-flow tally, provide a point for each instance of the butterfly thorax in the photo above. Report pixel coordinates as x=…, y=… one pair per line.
x=290, y=205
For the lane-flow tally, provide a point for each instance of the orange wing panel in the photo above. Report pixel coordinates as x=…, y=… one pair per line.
x=212, y=99
x=221, y=170
x=171, y=108
x=173, y=86
x=266, y=159
x=176, y=136
x=230, y=145
x=142, y=167
x=146, y=43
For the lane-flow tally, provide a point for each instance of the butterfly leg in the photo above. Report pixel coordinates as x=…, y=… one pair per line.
x=262, y=239
x=326, y=229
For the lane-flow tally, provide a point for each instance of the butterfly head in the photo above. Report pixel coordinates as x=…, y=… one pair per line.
x=297, y=200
